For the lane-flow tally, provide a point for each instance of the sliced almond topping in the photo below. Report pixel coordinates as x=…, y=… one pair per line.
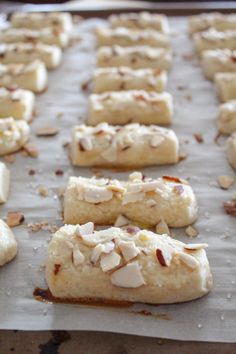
x=195, y=247
x=96, y=253
x=128, y=250
x=102, y=236
x=14, y=218
x=165, y=255
x=110, y=154
x=109, y=261
x=157, y=140
x=190, y=261
x=47, y=131
x=31, y=150
x=151, y=203
x=225, y=181
x=77, y=256
x=108, y=247
x=97, y=194
x=129, y=276
x=132, y=197
x=116, y=188
x=172, y=179
x=191, y=231
x=133, y=230
x=230, y=207
x=136, y=176
x=85, y=144
x=121, y=221
x=162, y=228
x=85, y=229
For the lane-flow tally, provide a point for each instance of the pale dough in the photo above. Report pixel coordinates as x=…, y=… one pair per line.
x=219, y=60
x=116, y=265
x=226, y=86
x=8, y=244
x=226, y=122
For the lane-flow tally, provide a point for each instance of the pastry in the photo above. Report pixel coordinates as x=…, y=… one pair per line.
x=8, y=244
x=117, y=265
x=31, y=76
x=123, y=78
x=140, y=199
x=127, y=37
x=123, y=146
x=219, y=60
x=4, y=182
x=44, y=35
x=231, y=150
x=13, y=135
x=135, y=106
x=135, y=57
x=226, y=122
x=141, y=20
x=226, y=86
x=16, y=103
x=204, y=21
x=38, y=20
x=25, y=53
x=213, y=39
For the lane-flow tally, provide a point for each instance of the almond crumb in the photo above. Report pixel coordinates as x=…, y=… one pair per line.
x=43, y=191
x=10, y=158
x=182, y=156
x=162, y=228
x=59, y=173
x=30, y=150
x=225, y=181
x=14, y=218
x=199, y=138
x=191, y=231
x=230, y=207
x=47, y=131
x=31, y=172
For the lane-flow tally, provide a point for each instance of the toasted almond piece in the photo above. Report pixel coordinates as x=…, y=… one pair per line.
x=102, y=236
x=225, y=181
x=128, y=249
x=47, y=131
x=230, y=207
x=199, y=138
x=43, y=191
x=195, y=246
x=161, y=258
x=182, y=156
x=11, y=158
x=116, y=188
x=136, y=176
x=191, y=231
x=77, y=256
x=14, y=218
x=85, y=144
x=129, y=276
x=109, y=261
x=190, y=261
x=97, y=194
x=132, y=197
x=85, y=229
x=121, y=221
x=96, y=253
x=162, y=228
x=31, y=150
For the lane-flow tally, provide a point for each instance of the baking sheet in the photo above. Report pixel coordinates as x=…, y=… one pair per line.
x=211, y=318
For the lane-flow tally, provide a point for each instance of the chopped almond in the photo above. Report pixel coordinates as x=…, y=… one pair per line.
x=47, y=131
x=230, y=207
x=31, y=150
x=182, y=156
x=225, y=181
x=162, y=228
x=14, y=218
x=43, y=191
x=199, y=138
x=191, y=231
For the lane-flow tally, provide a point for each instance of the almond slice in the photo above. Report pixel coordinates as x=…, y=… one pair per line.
x=136, y=176
x=109, y=261
x=132, y=197
x=31, y=150
x=190, y=261
x=129, y=276
x=191, y=231
x=121, y=221
x=97, y=194
x=85, y=144
x=156, y=140
x=225, y=181
x=165, y=255
x=162, y=228
x=110, y=154
x=195, y=247
x=14, y=218
x=85, y=229
x=128, y=249
x=47, y=131
x=77, y=256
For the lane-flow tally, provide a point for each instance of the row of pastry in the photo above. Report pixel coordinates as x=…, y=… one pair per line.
x=214, y=37
x=30, y=46
x=124, y=262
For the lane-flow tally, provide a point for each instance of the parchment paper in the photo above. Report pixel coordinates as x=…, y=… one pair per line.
x=212, y=318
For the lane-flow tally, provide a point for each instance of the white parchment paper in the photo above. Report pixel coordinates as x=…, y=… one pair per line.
x=212, y=318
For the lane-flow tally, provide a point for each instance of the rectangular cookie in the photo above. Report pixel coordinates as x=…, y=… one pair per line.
x=226, y=121
x=25, y=53
x=132, y=145
x=127, y=37
x=123, y=78
x=219, y=60
x=213, y=39
x=31, y=76
x=141, y=20
x=217, y=20
x=117, y=265
x=44, y=35
x=18, y=103
x=38, y=20
x=134, y=106
x=225, y=84
x=139, y=199
x=135, y=57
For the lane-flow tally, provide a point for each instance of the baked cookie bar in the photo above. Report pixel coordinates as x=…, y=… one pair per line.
x=45, y=35
x=231, y=150
x=226, y=122
x=58, y=20
x=213, y=39
x=8, y=244
x=219, y=60
x=4, y=182
x=141, y=20
x=13, y=135
x=16, y=103
x=140, y=199
x=135, y=57
x=226, y=86
x=123, y=146
x=204, y=21
x=127, y=37
x=31, y=76
x=119, y=265
x=123, y=78
x=25, y=53
x=136, y=106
